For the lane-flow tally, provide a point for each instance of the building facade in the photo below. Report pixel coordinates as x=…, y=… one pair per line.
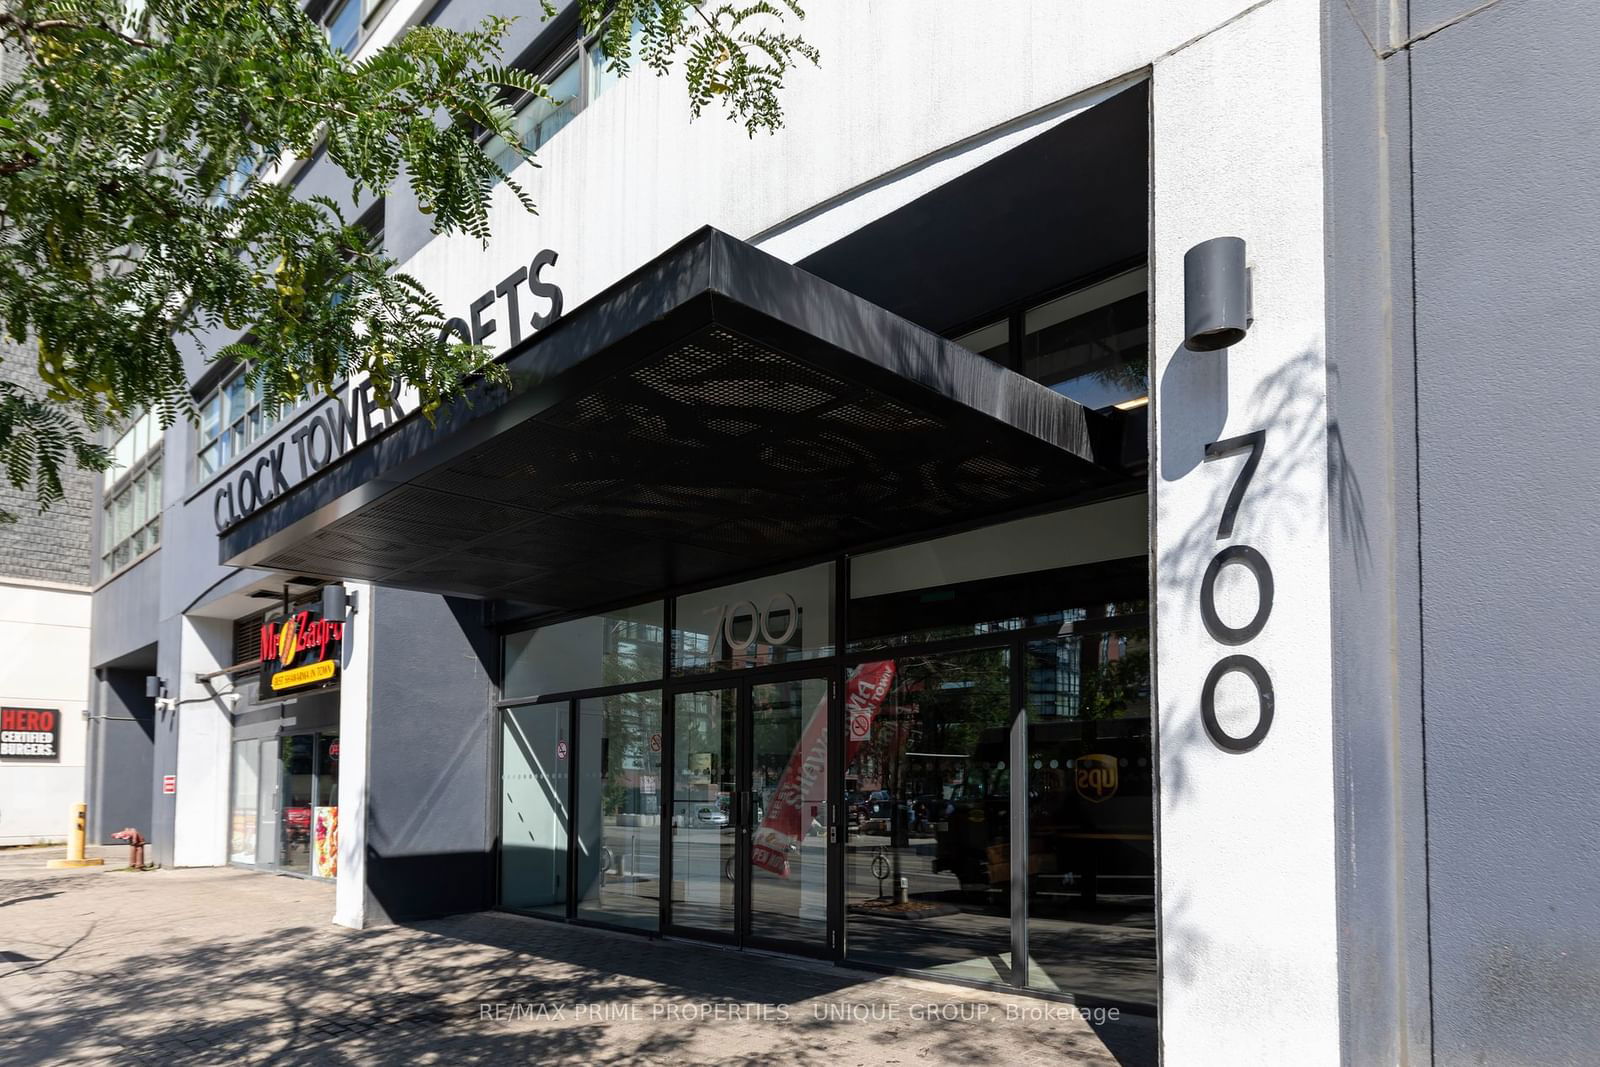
x=871, y=561
x=44, y=631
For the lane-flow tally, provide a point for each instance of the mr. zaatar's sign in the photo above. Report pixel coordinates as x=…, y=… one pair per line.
x=359, y=415
x=30, y=733
x=300, y=650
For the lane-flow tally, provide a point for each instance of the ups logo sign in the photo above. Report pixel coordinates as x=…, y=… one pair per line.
x=1096, y=777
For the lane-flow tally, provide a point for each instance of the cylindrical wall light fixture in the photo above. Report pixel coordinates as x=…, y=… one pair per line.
x=335, y=603
x=1216, y=294
x=338, y=604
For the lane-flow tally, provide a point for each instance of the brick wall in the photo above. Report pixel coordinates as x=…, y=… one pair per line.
x=53, y=546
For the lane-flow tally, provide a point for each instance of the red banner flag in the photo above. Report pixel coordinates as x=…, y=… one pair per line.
x=784, y=825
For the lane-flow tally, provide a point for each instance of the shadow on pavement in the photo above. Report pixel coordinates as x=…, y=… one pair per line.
x=232, y=984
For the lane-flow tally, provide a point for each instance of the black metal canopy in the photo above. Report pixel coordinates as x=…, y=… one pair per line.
x=716, y=412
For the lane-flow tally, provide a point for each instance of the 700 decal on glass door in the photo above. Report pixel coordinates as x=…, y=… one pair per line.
x=1256, y=563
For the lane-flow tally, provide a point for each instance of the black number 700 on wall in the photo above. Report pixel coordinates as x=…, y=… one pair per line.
x=1255, y=443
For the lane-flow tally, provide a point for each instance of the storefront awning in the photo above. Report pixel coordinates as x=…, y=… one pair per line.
x=716, y=412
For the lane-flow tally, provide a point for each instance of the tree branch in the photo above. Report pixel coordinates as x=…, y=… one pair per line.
x=27, y=26
x=17, y=166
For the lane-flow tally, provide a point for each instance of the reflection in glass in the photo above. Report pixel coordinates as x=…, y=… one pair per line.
x=1093, y=344
x=928, y=859
x=242, y=829
x=294, y=829
x=992, y=341
x=267, y=820
x=328, y=770
x=777, y=619
x=614, y=648
x=1091, y=876
x=602, y=76
x=789, y=843
x=539, y=118
x=704, y=757
x=619, y=809
x=1029, y=572
x=533, y=808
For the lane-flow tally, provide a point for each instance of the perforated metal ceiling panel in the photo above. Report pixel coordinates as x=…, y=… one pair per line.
x=747, y=415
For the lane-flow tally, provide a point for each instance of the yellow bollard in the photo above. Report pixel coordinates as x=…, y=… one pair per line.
x=80, y=815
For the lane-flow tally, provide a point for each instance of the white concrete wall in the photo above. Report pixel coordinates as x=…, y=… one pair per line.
x=355, y=692
x=909, y=94
x=44, y=663
x=1246, y=839
x=205, y=739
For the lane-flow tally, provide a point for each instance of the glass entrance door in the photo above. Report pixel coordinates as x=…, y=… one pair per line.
x=787, y=853
x=705, y=811
x=750, y=813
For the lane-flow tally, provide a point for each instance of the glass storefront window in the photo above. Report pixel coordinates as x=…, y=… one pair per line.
x=325, y=815
x=929, y=788
x=615, y=648
x=534, y=776
x=1093, y=344
x=999, y=578
x=778, y=619
x=285, y=804
x=619, y=809
x=1091, y=828
x=789, y=784
x=246, y=783
x=704, y=783
x=295, y=803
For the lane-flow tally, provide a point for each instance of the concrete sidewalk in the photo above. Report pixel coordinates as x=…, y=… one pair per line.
x=219, y=965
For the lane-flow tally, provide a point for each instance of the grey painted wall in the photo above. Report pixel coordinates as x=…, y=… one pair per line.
x=164, y=808
x=125, y=610
x=429, y=831
x=122, y=749
x=1382, y=874
x=1507, y=216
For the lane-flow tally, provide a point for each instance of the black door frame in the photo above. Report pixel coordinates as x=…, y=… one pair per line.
x=826, y=670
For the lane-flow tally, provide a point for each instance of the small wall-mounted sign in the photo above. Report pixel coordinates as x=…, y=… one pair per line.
x=30, y=733
x=169, y=784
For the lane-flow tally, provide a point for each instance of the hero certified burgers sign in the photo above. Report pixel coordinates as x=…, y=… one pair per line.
x=30, y=733
x=359, y=415
x=300, y=650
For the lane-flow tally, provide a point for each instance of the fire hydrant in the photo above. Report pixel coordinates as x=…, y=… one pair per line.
x=136, y=844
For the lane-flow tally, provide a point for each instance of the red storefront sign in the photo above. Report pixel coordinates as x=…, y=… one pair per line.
x=301, y=650
x=784, y=825
x=282, y=641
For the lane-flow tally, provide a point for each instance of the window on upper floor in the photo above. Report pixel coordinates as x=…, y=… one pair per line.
x=232, y=418
x=574, y=81
x=343, y=23
x=538, y=117
x=234, y=183
x=131, y=515
x=601, y=76
x=1091, y=343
